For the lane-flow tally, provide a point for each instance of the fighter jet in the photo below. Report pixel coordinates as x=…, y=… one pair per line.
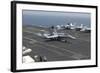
x=83, y=28
x=68, y=26
x=78, y=28
x=54, y=35
x=86, y=29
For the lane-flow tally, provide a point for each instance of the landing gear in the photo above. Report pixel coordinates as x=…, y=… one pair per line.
x=64, y=41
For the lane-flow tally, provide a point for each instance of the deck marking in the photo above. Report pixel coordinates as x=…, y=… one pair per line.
x=75, y=55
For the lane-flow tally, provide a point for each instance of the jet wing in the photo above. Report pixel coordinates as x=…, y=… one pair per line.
x=50, y=36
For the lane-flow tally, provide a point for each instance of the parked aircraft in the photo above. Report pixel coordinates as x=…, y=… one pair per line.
x=68, y=26
x=83, y=28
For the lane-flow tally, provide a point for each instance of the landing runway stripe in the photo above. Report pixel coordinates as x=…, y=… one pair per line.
x=28, y=32
x=74, y=53
x=46, y=48
x=30, y=39
x=70, y=35
x=55, y=51
x=83, y=40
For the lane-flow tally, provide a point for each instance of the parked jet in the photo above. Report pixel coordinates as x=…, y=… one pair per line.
x=68, y=26
x=79, y=27
x=83, y=28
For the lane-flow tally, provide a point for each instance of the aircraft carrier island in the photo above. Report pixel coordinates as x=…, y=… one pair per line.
x=44, y=44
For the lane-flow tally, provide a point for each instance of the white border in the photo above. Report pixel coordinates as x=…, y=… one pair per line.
x=21, y=66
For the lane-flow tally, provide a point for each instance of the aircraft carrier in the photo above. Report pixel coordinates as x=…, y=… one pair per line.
x=73, y=49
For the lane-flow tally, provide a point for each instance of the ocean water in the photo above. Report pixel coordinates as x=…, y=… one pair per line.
x=49, y=18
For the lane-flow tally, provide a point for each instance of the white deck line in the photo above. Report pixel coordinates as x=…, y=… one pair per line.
x=74, y=53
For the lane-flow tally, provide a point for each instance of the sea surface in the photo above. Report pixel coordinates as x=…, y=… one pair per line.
x=49, y=18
